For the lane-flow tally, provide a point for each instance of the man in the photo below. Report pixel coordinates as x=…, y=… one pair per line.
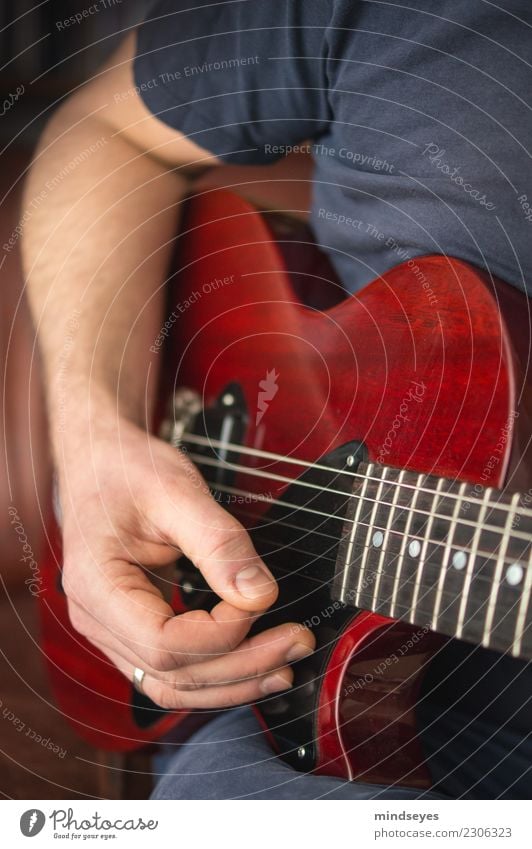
x=420, y=123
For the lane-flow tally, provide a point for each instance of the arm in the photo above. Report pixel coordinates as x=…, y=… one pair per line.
x=96, y=247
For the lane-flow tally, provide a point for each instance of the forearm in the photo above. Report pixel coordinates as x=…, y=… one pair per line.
x=100, y=217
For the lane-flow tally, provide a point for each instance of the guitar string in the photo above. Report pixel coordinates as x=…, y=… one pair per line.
x=336, y=540
x=318, y=557
x=365, y=600
x=408, y=609
x=256, y=534
x=218, y=463
x=254, y=452
x=200, y=460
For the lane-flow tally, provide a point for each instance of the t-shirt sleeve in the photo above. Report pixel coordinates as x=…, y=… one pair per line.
x=244, y=79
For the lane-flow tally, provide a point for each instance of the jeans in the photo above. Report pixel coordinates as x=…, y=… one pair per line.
x=230, y=758
x=474, y=733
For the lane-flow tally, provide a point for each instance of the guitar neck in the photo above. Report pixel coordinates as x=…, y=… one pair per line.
x=453, y=557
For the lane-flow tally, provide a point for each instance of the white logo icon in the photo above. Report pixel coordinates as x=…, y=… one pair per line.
x=268, y=389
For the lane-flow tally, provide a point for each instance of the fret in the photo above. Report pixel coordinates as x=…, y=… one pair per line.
x=368, y=471
x=524, y=607
x=446, y=557
x=471, y=563
x=401, y=558
x=424, y=548
x=385, y=550
x=480, y=587
x=402, y=496
x=497, y=577
x=461, y=562
x=375, y=549
x=434, y=552
x=510, y=594
x=369, y=533
x=429, y=550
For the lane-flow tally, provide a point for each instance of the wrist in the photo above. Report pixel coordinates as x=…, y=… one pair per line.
x=83, y=418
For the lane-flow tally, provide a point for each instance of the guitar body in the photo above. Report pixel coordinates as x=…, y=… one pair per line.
x=418, y=371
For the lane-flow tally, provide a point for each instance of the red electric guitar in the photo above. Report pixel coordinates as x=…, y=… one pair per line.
x=375, y=446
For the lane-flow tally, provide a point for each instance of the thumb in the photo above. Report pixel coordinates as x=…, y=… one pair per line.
x=220, y=547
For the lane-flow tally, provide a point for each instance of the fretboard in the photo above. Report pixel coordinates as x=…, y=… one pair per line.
x=451, y=556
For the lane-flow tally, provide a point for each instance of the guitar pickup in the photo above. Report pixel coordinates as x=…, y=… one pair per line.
x=209, y=435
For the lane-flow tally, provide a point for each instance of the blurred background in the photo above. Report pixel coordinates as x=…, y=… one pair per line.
x=45, y=55
x=42, y=59
x=42, y=50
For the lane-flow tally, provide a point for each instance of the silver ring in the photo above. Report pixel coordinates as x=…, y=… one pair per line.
x=138, y=678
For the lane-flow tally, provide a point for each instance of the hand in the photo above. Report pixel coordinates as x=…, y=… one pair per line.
x=132, y=504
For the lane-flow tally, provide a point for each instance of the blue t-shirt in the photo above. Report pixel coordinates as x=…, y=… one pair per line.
x=419, y=116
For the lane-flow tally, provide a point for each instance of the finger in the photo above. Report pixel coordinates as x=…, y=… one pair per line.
x=264, y=653
x=123, y=601
x=217, y=544
x=211, y=698
x=255, y=657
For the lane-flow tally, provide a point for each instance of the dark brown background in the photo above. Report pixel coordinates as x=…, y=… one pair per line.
x=56, y=63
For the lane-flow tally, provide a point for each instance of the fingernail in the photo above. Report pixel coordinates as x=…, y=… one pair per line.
x=274, y=683
x=253, y=582
x=297, y=652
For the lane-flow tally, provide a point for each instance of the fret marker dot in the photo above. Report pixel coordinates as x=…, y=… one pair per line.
x=459, y=560
x=378, y=539
x=514, y=575
x=414, y=548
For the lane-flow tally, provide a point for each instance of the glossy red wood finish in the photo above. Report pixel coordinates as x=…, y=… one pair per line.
x=366, y=723
x=343, y=374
